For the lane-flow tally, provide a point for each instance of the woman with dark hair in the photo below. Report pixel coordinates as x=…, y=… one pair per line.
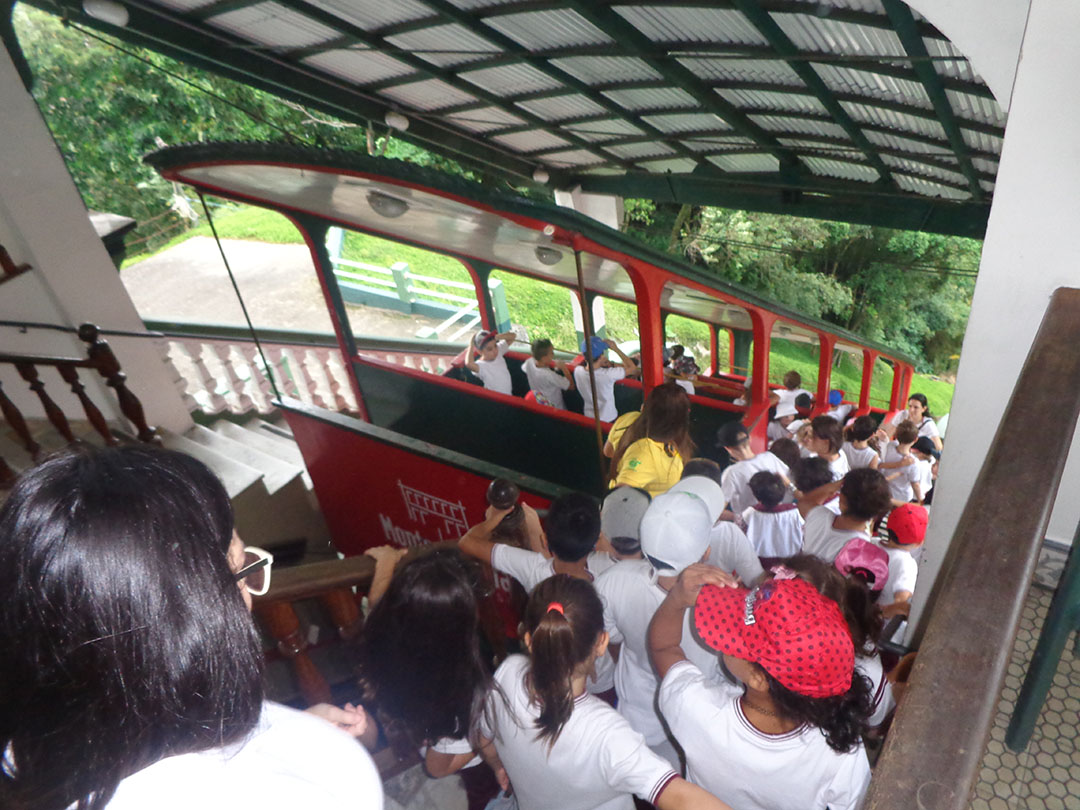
x=918, y=411
x=562, y=747
x=651, y=452
x=132, y=672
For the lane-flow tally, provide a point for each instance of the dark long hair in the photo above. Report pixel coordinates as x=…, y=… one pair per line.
x=842, y=719
x=862, y=615
x=921, y=399
x=419, y=654
x=125, y=636
x=562, y=640
x=665, y=419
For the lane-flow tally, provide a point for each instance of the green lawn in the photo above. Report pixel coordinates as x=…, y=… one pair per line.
x=545, y=311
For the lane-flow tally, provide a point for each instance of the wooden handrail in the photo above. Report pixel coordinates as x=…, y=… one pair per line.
x=314, y=579
x=934, y=750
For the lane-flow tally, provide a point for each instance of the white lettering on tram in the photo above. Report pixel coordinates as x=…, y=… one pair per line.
x=399, y=536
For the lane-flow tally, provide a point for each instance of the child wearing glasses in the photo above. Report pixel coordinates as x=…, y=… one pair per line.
x=554, y=743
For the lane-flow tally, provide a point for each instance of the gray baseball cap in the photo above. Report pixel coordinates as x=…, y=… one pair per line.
x=621, y=514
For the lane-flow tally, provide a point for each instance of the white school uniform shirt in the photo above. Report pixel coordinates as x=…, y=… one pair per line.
x=735, y=480
x=840, y=412
x=292, y=759
x=494, y=373
x=926, y=475
x=748, y=769
x=605, y=389
x=775, y=431
x=884, y=702
x=732, y=551
x=455, y=746
x=821, y=539
x=903, y=571
x=839, y=467
x=546, y=383
x=631, y=595
x=597, y=762
x=900, y=487
x=858, y=457
x=686, y=386
x=927, y=427
x=789, y=396
x=833, y=504
x=530, y=568
x=774, y=533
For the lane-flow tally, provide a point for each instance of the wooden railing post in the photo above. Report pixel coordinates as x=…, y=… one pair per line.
x=15, y=418
x=56, y=416
x=70, y=375
x=101, y=355
x=284, y=626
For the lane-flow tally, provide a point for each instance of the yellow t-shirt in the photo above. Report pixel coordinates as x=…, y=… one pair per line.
x=647, y=465
x=620, y=426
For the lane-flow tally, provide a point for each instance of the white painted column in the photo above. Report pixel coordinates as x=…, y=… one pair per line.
x=1029, y=251
x=44, y=223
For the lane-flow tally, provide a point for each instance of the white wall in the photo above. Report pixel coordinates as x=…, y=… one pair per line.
x=44, y=223
x=1029, y=251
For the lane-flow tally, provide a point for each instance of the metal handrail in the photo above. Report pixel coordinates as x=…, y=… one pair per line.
x=934, y=750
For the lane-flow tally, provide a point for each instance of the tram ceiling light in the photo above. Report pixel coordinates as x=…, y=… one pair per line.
x=396, y=120
x=548, y=255
x=108, y=11
x=540, y=175
x=386, y=205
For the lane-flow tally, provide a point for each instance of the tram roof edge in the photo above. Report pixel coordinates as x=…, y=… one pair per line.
x=172, y=160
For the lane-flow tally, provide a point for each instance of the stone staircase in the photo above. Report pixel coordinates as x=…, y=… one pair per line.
x=257, y=461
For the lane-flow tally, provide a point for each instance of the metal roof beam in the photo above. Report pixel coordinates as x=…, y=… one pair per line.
x=847, y=204
x=219, y=7
x=785, y=47
x=904, y=23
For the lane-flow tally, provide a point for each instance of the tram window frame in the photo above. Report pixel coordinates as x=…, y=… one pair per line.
x=704, y=358
x=855, y=356
x=889, y=368
x=564, y=338
x=777, y=371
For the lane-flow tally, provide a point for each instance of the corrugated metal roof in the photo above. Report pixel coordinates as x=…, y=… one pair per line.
x=603, y=130
x=874, y=85
x=903, y=144
x=976, y=108
x=746, y=163
x=768, y=100
x=774, y=71
x=371, y=14
x=928, y=188
x=715, y=143
x=431, y=94
x=559, y=108
x=469, y=5
x=572, y=157
x=842, y=169
x=651, y=98
x=673, y=165
x=444, y=45
x=531, y=141
x=810, y=33
x=987, y=186
x=687, y=122
x=924, y=170
x=485, y=120
x=982, y=141
x=510, y=80
x=629, y=151
x=551, y=28
x=957, y=67
x=692, y=24
x=870, y=6
x=801, y=126
x=606, y=69
x=359, y=65
x=899, y=122
x=988, y=166
x=274, y=25
x=185, y=5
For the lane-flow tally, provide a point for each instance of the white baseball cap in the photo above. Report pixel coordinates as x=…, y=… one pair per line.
x=675, y=531
x=786, y=409
x=705, y=488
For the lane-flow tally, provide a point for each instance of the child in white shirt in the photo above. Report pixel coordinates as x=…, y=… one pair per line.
x=778, y=427
x=901, y=467
x=558, y=746
x=789, y=736
x=826, y=441
x=606, y=376
x=864, y=497
x=735, y=480
x=542, y=371
x=905, y=532
x=775, y=528
x=857, y=447
x=927, y=456
x=491, y=366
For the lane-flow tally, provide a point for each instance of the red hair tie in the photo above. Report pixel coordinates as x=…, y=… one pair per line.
x=556, y=606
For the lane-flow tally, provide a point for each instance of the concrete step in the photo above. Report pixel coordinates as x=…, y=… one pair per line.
x=237, y=477
x=277, y=474
x=264, y=438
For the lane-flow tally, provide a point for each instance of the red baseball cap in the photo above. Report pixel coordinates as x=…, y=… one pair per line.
x=482, y=337
x=907, y=524
x=793, y=632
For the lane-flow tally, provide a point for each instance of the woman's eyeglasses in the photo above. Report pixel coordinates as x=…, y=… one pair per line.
x=255, y=572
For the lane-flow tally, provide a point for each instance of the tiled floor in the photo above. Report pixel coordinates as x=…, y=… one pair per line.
x=1046, y=776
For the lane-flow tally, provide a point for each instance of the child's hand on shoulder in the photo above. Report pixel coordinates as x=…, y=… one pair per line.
x=349, y=718
x=694, y=578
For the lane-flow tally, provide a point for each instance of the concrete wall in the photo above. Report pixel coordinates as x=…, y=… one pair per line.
x=44, y=223
x=1029, y=249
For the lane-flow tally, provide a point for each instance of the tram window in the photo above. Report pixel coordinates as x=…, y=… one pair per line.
x=793, y=349
x=692, y=335
x=881, y=384
x=396, y=290
x=541, y=309
x=620, y=319
x=847, y=371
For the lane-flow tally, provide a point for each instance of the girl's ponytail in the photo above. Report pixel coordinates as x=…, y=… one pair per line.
x=564, y=618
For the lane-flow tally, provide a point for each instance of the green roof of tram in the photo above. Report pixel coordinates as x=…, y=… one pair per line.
x=856, y=110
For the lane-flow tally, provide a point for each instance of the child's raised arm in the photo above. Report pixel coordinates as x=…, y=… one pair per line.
x=665, y=629
x=477, y=541
x=627, y=363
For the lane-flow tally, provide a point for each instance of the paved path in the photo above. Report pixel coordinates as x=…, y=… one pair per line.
x=188, y=282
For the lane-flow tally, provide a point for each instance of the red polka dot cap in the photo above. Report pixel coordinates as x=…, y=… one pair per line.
x=788, y=628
